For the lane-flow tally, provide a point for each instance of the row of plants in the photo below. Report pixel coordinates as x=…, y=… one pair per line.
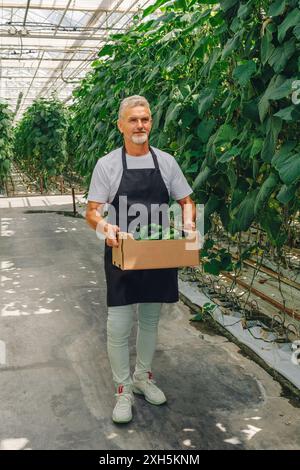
x=220, y=78
x=6, y=136
x=40, y=140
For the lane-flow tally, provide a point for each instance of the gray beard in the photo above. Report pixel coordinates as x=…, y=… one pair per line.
x=141, y=139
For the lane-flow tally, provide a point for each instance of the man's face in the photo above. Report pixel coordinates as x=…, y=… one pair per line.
x=136, y=124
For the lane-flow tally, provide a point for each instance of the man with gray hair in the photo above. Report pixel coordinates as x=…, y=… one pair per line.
x=146, y=176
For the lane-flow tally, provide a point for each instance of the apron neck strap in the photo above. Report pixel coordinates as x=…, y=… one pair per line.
x=125, y=162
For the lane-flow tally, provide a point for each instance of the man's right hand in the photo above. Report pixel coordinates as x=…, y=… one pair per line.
x=110, y=232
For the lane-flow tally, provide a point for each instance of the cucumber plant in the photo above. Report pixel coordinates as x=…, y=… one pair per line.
x=40, y=144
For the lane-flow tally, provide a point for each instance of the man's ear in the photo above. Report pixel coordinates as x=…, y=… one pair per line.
x=119, y=126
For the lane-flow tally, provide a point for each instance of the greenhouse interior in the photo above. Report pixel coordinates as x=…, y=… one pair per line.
x=149, y=227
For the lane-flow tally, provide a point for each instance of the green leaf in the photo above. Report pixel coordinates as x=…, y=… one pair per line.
x=179, y=60
x=172, y=113
x=256, y=147
x=213, y=267
x=226, y=261
x=226, y=133
x=229, y=155
x=154, y=72
x=236, y=199
x=201, y=178
x=193, y=168
x=5, y=166
x=263, y=107
x=108, y=49
x=205, y=128
x=250, y=110
x=285, y=150
x=265, y=192
x=244, y=10
x=267, y=48
x=206, y=99
x=292, y=19
x=271, y=222
x=279, y=87
x=296, y=32
x=180, y=4
x=290, y=113
x=243, y=73
x=211, y=205
x=224, y=215
x=227, y=4
x=153, y=8
x=286, y=193
x=231, y=175
x=281, y=91
x=208, y=244
x=231, y=45
x=274, y=125
x=187, y=117
x=277, y=8
x=170, y=35
x=288, y=167
x=245, y=213
x=281, y=55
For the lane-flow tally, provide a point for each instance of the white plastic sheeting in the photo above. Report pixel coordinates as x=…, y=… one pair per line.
x=46, y=46
x=282, y=357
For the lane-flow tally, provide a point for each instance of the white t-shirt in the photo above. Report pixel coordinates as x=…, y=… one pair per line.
x=108, y=171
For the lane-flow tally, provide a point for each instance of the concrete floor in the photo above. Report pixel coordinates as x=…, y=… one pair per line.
x=56, y=388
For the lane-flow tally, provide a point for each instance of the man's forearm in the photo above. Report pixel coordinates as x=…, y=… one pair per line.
x=189, y=215
x=96, y=222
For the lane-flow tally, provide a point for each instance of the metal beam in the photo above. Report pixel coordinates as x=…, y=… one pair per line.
x=80, y=69
x=12, y=65
x=53, y=6
x=46, y=72
x=89, y=23
x=51, y=59
x=33, y=48
x=26, y=12
x=120, y=1
x=42, y=55
x=15, y=86
x=24, y=77
x=69, y=36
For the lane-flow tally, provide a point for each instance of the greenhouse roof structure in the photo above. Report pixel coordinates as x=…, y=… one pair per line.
x=47, y=46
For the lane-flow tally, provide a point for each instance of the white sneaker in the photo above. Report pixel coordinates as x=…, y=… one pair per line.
x=122, y=412
x=144, y=385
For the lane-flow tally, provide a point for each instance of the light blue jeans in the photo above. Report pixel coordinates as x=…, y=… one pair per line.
x=119, y=325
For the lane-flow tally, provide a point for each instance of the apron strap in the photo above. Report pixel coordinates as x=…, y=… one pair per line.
x=124, y=162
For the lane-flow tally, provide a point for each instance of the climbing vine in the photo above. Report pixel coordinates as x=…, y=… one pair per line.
x=40, y=139
x=219, y=77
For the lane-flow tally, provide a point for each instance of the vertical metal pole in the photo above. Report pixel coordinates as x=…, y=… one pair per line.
x=74, y=202
x=61, y=184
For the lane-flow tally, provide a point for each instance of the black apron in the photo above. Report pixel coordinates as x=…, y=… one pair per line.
x=146, y=186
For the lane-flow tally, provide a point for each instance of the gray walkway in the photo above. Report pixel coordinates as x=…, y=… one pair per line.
x=55, y=382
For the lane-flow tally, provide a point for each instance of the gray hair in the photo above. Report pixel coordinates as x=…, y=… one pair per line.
x=131, y=102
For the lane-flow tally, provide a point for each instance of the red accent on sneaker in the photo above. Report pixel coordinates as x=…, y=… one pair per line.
x=150, y=375
x=120, y=389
